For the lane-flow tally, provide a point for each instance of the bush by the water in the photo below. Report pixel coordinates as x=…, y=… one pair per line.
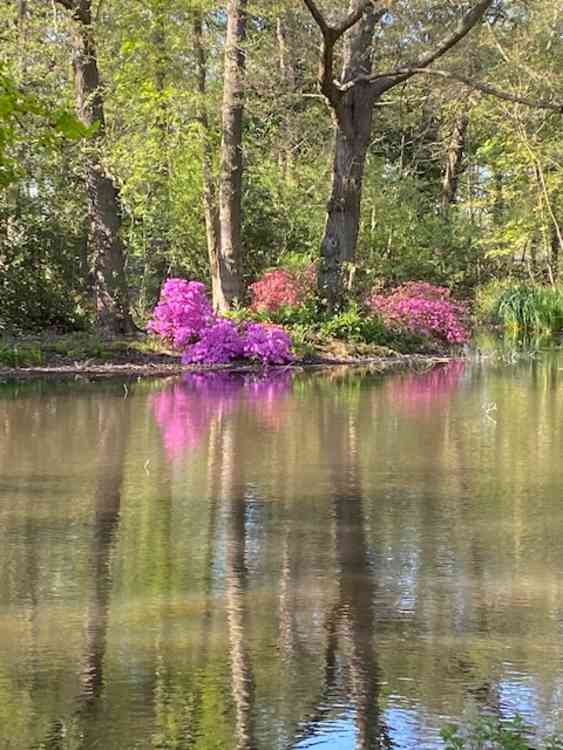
x=423, y=309
x=526, y=308
x=184, y=317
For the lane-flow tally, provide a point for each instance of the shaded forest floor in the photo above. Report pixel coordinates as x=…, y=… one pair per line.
x=86, y=357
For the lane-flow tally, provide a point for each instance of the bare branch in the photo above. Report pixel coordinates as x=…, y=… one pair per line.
x=466, y=23
x=486, y=89
x=318, y=16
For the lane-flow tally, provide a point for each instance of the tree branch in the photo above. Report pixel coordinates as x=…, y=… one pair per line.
x=353, y=17
x=464, y=26
x=331, y=34
x=486, y=89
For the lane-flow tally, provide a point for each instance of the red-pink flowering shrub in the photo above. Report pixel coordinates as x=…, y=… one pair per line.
x=184, y=317
x=423, y=309
x=281, y=288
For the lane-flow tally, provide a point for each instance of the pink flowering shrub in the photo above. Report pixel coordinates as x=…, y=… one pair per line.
x=281, y=288
x=220, y=342
x=267, y=344
x=184, y=317
x=423, y=309
x=182, y=313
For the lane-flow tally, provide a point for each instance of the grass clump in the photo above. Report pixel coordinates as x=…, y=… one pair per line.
x=20, y=355
x=530, y=309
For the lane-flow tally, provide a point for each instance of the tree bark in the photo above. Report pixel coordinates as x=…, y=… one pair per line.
x=104, y=205
x=353, y=117
x=210, y=198
x=229, y=271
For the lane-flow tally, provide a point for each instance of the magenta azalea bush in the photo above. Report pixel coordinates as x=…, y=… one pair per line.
x=424, y=309
x=184, y=317
x=282, y=287
x=183, y=312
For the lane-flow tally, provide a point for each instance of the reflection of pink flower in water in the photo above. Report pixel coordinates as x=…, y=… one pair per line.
x=184, y=411
x=415, y=393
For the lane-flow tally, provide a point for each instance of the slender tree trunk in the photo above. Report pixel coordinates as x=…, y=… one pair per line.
x=104, y=205
x=210, y=198
x=555, y=251
x=230, y=284
x=284, y=25
x=157, y=254
x=454, y=162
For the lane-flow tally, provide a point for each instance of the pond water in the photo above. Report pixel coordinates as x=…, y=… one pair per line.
x=325, y=560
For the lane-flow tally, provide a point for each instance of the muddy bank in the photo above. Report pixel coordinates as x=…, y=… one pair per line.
x=164, y=366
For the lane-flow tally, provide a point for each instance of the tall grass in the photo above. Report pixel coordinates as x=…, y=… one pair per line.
x=520, y=308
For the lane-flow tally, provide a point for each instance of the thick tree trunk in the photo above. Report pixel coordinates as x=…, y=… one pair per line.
x=104, y=205
x=210, y=198
x=338, y=246
x=230, y=285
x=454, y=161
x=353, y=115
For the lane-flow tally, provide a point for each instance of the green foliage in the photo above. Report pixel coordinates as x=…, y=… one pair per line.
x=488, y=733
x=25, y=355
x=16, y=108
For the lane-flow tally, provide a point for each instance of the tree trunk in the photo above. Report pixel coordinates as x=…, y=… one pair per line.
x=229, y=271
x=353, y=117
x=555, y=251
x=454, y=162
x=352, y=100
x=104, y=205
x=210, y=202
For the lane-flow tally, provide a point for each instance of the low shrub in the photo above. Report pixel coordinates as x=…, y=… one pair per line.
x=424, y=310
x=184, y=318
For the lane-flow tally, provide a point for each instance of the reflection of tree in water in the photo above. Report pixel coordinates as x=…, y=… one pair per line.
x=111, y=442
x=232, y=498
x=185, y=410
x=350, y=624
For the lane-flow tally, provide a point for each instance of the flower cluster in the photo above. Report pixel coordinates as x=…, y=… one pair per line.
x=184, y=317
x=424, y=309
x=268, y=344
x=182, y=313
x=281, y=288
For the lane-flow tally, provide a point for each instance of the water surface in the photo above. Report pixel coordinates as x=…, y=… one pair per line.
x=330, y=561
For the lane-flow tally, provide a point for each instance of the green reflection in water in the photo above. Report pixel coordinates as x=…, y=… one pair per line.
x=340, y=559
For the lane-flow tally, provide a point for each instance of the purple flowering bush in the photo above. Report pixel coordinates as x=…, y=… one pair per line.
x=423, y=309
x=266, y=343
x=183, y=312
x=184, y=317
